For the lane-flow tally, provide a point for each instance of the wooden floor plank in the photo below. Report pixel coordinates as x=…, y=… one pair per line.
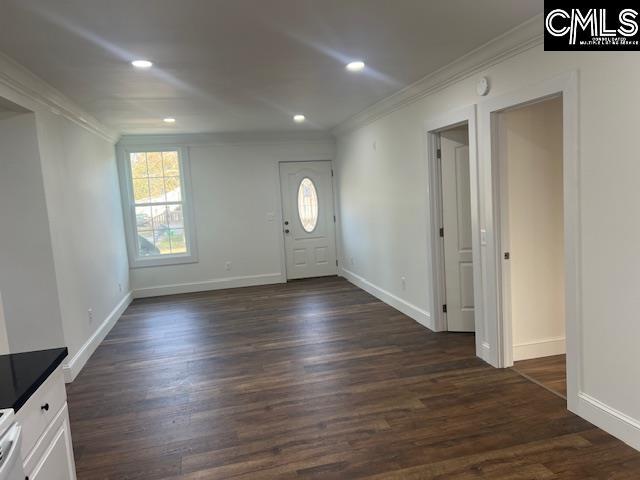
x=550, y=372
x=315, y=379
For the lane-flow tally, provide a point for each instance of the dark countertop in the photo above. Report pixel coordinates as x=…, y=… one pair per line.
x=22, y=373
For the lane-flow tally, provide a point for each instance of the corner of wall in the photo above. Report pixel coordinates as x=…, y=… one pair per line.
x=73, y=365
x=416, y=313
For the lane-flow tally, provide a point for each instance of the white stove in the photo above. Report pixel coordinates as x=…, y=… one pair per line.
x=10, y=440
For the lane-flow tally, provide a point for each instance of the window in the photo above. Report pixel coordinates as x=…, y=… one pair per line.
x=159, y=224
x=308, y=205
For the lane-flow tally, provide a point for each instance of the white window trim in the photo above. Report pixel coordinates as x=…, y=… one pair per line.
x=128, y=207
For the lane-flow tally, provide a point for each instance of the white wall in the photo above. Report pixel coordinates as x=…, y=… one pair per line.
x=79, y=214
x=530, y=141
x=85, y=216
x=381, y=189
x=4, y=338
x=236, y=187
x=383, y=199
x=27, y=273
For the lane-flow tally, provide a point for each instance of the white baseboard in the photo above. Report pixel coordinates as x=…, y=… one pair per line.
x=539, y=349
x=419, y=315
x=609, y=419
x=217, y=284
x=72, y=366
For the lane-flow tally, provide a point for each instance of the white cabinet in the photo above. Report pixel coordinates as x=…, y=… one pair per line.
x=46, y=442
x=57, y=460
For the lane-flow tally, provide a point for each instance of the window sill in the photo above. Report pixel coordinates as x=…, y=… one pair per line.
x=165, y=261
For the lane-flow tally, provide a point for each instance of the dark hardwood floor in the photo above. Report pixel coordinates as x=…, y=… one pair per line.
x=551, y=372
x=316, y=379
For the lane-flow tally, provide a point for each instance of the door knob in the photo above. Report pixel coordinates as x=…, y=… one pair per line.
x=286, y=231
x=286, y=222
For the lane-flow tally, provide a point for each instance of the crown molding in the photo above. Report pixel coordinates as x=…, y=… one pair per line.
x=24, y=82
x=231, y=138
x=517, y=40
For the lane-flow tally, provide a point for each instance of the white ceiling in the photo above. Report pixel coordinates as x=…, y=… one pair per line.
x=242, y=65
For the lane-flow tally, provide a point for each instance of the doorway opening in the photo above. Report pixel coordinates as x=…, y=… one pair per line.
x=528, y=141
x=308, y=219
x=455, y=229
x=452, y=168
x=454, y=218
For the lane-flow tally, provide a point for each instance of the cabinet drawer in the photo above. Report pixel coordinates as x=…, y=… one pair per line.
x=36, y=415
x=52, y=457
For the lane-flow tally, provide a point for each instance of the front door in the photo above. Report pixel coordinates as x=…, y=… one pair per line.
x=456, y=220
x=309, y=221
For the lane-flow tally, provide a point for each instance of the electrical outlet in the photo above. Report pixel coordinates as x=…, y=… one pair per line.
x=403, y=281
x=227, y=266
x=120, y=287
x=90, y=315
x=352, y=261
x=271, y=217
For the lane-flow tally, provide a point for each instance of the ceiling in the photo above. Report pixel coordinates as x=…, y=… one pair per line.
x=242, y=65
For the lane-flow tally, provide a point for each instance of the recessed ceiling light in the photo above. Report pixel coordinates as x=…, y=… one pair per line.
x=142, y=64
x=299, y=118
x=169, y=120
x=355, y=66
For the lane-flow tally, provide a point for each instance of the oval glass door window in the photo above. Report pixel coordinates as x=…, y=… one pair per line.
x=308, y=205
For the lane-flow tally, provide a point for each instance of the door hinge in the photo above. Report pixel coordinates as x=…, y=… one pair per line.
x=441, y=232
x=444, y=308
x=336, y=263
x=334, y=219
x=332, y=172
x=439, y=153
x=507, y=255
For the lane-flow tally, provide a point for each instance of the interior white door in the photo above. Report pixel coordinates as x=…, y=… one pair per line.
x=456, y=218
x=309, y=221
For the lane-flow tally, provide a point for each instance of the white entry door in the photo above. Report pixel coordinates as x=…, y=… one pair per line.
x=456, y=213
x=309, y=221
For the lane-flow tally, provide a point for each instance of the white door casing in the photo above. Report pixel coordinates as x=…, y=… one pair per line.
x=499, y=331
x=456, y=218
x=433, y=127
x=311, y=251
